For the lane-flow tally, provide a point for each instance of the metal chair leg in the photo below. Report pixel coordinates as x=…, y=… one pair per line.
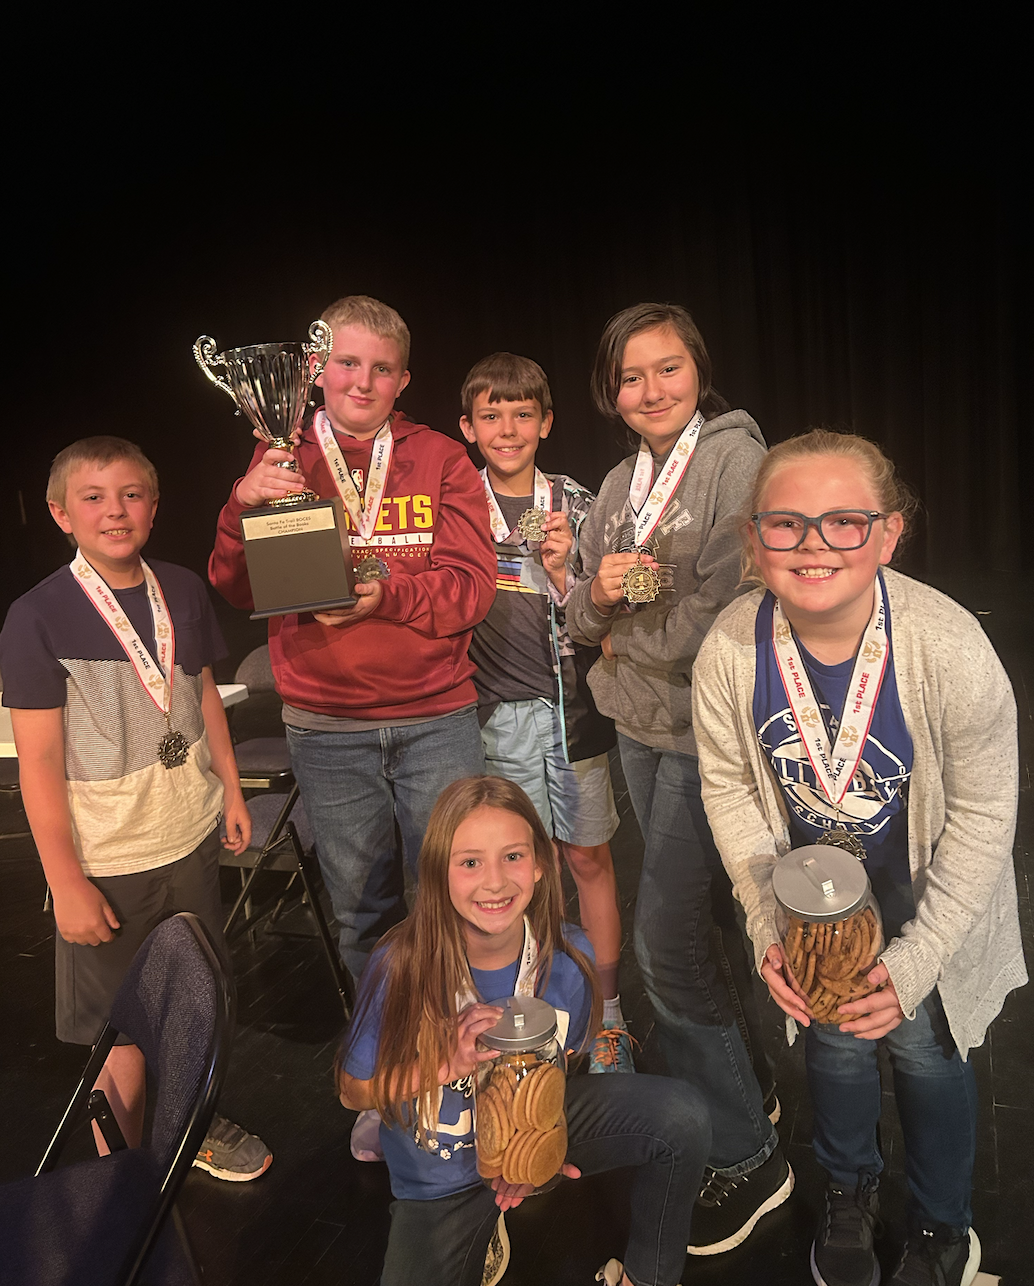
x=342, y=980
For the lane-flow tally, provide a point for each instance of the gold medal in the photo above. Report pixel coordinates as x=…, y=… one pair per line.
x=532, y=525
x=842, y=839
x=640, y=583
x=173, y=750
x=372, y=568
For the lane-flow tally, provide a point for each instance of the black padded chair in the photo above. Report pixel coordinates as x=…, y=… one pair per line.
x=104, y=1222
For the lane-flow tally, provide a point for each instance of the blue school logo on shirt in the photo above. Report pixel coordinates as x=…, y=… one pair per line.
x=452, y=1136
x=872, y=797
x=877, y=790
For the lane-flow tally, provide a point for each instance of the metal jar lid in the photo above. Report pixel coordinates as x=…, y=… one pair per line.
x=527, y=1023
x=820, y=882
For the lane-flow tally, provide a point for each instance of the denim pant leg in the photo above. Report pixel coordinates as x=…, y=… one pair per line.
x=441, y=1242
x=936, y=1098
x=736, y=966
x=844, y=1083
x=660, y=1126
x=936, y=1093
x=696, y=1020
x=349, y=803
x=421, y=759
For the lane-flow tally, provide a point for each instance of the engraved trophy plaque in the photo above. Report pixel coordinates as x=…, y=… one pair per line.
x=297, y=547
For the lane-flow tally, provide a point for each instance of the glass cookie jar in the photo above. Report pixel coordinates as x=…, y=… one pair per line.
x=521, y=1129
x=830, y=926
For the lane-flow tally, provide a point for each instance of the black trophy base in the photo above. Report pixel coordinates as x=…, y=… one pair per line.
x=299, y=558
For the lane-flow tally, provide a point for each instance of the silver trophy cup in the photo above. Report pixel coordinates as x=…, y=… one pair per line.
x=297, y=547
x=270, y=383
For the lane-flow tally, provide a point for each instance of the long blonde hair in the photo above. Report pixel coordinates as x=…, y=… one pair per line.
x=422, y=966
x=893, y=495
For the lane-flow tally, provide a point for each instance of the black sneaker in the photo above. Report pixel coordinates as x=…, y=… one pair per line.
x=727, y=1209
x=842, y=1253
x=938, y=1256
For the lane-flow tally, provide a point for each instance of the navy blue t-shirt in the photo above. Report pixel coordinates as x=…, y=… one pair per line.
x=875, y=807
x=451, y=1165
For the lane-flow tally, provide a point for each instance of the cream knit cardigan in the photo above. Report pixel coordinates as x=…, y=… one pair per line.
x=959, y=709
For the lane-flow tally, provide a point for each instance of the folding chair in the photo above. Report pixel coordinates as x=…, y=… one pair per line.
x=281, y=837
x=100, y=1222
x=10, y=788
x=282, y=841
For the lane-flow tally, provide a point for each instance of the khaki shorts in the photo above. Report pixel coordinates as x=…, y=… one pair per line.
x=87, y=978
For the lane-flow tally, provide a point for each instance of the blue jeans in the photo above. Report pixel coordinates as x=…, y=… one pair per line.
x=674, y=945
x=937, y=1105
x=658, y=1125
x=357, y=787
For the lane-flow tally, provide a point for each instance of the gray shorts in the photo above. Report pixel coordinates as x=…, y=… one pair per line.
x=524, y=743
x=87, y=978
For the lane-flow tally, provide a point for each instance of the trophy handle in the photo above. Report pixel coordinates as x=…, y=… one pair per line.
x=320, y=342
x=207, y=358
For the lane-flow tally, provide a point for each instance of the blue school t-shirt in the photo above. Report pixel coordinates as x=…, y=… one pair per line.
x=451, y=1165
x=875, y=808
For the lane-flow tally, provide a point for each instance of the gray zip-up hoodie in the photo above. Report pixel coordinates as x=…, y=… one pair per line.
x=647, y=688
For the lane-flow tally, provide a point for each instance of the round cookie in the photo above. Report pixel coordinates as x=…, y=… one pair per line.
x=545, y=1155
x=546, y=1099
x=523, y=1093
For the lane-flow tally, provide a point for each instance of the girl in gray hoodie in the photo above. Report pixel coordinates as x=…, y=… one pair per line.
x=660, y=551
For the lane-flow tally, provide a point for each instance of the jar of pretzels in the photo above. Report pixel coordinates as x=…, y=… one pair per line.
x=521, y=1130
x=830, y=926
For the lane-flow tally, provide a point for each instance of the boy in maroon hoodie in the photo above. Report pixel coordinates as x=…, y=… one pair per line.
x=378, y=698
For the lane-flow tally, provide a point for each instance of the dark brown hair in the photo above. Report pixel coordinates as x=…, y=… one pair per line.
x=606, y=372
x=505, y=377
x=423, y=966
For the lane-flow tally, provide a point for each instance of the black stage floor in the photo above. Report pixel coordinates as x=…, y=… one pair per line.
x=319, y=1217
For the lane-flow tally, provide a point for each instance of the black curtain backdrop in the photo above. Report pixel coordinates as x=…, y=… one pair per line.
x=875, y=287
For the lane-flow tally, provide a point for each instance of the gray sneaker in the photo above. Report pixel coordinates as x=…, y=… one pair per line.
x=231, y=1153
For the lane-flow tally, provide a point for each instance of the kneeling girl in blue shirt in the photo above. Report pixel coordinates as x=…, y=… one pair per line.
x=488, y=922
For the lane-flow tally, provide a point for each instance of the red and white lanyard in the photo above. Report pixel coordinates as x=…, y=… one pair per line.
x=649, y=502
x=834, y=766
x=363, y=510
x=502, y=533
x=155, y=675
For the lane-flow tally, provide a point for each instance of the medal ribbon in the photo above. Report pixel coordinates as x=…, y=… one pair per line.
x=501, y=533
x=649, y=502
x=148, y=671
x=525, y=987
x=363, y=510
x=834, y=766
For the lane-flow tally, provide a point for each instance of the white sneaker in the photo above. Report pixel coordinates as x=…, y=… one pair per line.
x=365, y=1143
x=497, y=1258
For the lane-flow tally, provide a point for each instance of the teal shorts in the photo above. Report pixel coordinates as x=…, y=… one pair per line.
x=524, y=743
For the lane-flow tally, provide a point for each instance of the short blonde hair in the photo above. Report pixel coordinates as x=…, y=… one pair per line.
x=381, y=319
x=893, y=495
x=101, y=451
